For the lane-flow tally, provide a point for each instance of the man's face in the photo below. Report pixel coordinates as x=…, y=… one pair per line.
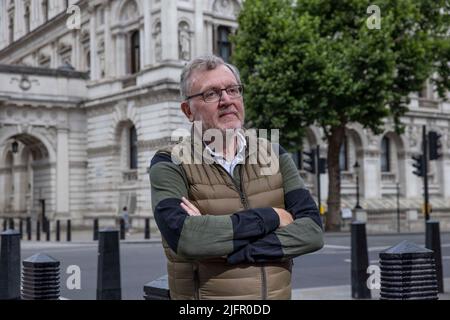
x=228, y=113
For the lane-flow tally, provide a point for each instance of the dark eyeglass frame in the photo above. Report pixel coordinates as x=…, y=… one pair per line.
x=240, y=86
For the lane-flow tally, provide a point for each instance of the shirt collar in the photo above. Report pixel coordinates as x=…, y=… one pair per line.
x=241, y=145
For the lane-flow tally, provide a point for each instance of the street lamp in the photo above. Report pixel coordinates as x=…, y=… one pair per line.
x=356, y=167
x=15, y=146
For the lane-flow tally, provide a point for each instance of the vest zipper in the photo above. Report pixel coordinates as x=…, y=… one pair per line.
x=238, y=188
x=263, y=284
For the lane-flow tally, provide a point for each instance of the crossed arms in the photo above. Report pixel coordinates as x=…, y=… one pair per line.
x=248, y=236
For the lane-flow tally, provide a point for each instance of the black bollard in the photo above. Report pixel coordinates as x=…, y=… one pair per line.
x=58, y=230
x=122, y=229
x=21, y=228
x=40, y=278
x=360, y=261
x=5, y=224
x=157, y=289
x=147, y=228
x=108, y=267
x=11, y=224
x=29, y=228
x=38, y=230
x=10, y=265
x=47, y=228
x=433, y=242
x=69, y=231
x=95, y=229
x=408, y=273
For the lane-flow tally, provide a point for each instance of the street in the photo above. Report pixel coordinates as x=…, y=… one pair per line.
x=144, y=262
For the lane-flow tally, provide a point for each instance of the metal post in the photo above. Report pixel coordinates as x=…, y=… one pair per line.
x=433, y=242
x=47, y=229
x=147, y=228
x=11, y=224
x=360, y=261
x=58, y=230
x=408, y=273
x=5, y=226
x=95, y=229
x=122, y=229
x=69, y=231
x=10, y=265
x=398, y=207
x=40, y=278
x=38, y=230
x=425, y=171
x=21, y=228
x=108, y=266
x=356, y=166
x=318, y=178
x=29, y=228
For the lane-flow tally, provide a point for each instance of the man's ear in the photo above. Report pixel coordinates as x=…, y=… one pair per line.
x=186, y=108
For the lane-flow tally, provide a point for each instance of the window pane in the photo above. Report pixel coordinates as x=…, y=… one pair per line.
x=343, y=166
x=133, y=148
x=385, y=153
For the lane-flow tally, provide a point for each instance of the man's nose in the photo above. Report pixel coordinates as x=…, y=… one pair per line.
x=224, y=98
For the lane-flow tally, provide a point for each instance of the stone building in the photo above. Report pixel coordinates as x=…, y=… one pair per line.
x=89, y=91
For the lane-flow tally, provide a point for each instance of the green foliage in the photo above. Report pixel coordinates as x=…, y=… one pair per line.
x=316, y=62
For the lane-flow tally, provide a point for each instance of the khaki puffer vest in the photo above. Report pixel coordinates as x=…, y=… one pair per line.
x=212, y=190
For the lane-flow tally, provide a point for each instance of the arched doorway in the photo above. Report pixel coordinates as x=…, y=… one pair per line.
x=27, y=178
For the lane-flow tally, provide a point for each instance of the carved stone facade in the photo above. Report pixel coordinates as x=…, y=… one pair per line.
x=73, y=100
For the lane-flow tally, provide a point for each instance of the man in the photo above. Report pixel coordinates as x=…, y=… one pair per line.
x=229, y=231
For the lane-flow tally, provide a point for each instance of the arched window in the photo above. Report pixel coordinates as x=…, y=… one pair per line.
x=27, y=18
x=223, y=43
x=11, y=28
x=343, y=155
x=135, y=48
x=45, y=10
x=133, y=148
x=385, y=155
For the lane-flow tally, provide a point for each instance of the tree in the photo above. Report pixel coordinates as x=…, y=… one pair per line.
x=320, y=62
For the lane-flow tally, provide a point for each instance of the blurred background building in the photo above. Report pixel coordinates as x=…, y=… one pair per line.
x=82, y=110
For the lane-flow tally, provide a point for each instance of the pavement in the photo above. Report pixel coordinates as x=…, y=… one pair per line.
x=84, y=238
x=345, y=293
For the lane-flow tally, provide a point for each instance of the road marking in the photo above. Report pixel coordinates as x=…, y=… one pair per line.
x=332, y=246
x=371, y=261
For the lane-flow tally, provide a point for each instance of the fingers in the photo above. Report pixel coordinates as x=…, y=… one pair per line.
x=189, y=207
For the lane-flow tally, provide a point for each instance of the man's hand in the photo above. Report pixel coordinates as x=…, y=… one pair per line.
x=189, y=207
x=285, y=217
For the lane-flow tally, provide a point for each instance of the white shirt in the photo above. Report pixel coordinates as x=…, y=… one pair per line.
x=238, y=158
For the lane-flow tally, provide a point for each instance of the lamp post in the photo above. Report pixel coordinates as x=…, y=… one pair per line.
x=15, y=146
x=356, y=167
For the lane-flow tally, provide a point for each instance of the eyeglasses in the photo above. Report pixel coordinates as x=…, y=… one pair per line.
x=215, y=94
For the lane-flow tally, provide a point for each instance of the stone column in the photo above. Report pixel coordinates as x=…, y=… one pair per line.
x=198, y=28
x=62, y=172
x=120, y=47
x=109, y=51
x=209, y=30
x=446, y=177
x=93, y=43
x=148, y=38
x=169, y=30
x=76, y=48
x=54, y=59
x=370, y=175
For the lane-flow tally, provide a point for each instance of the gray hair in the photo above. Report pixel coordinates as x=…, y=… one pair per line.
x=207, y=62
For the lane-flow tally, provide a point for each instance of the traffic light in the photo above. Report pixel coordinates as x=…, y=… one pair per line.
x=310, y=161
x=322, y=165
x=434, y=145
x=419, y=165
